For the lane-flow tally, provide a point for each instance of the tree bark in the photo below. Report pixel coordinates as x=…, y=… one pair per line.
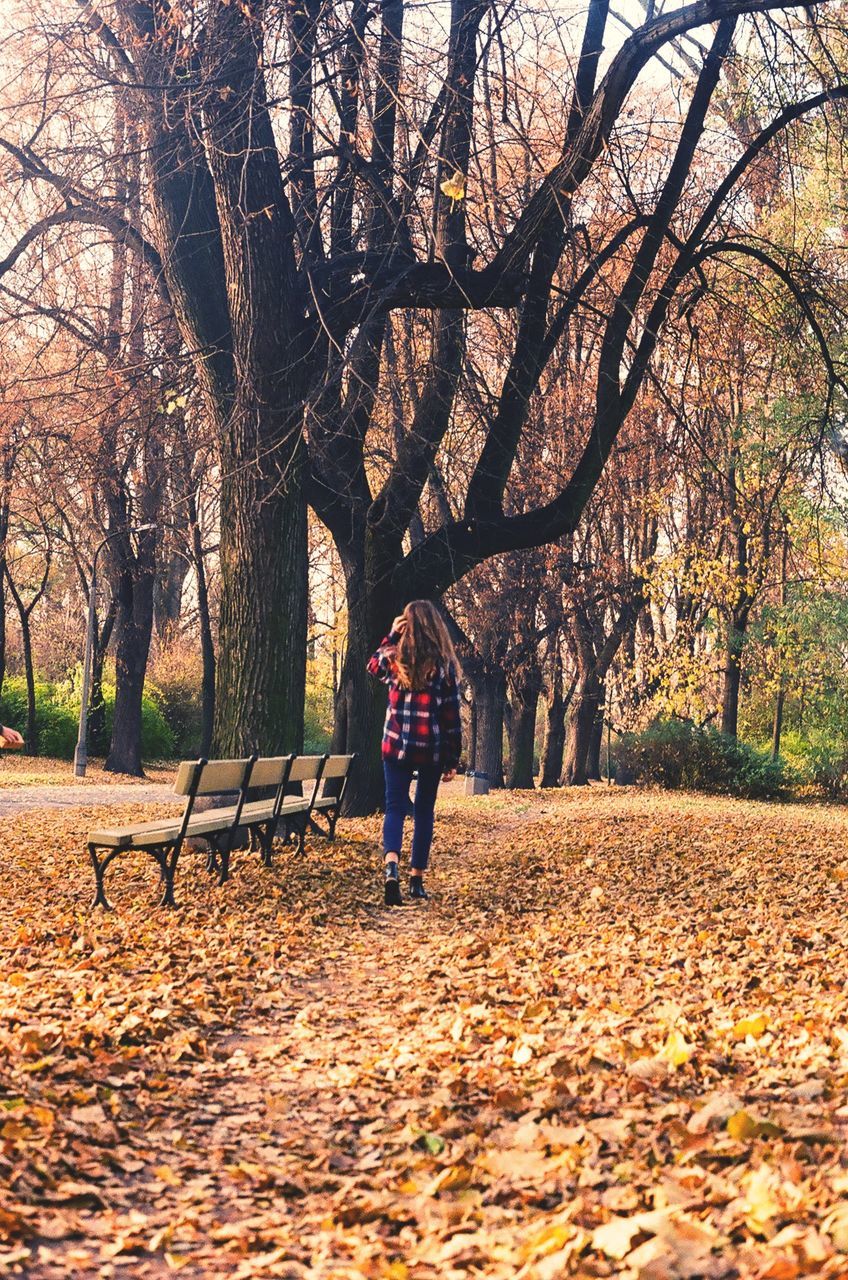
x=732, y=676
x=488, y=690
x=31, y=734
x=207, y=644
x=136, y=574
x=261, y=674
x=361, y=702
x=168, y=593
x=522, y=736
x=593, y=758
x=554, y=742
x=581, y=723
x=6, y=472
x=97, y=736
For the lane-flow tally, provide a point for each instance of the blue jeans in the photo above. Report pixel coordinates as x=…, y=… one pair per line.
x=398, y=778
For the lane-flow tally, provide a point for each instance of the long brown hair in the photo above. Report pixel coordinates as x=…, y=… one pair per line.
x=424, y=646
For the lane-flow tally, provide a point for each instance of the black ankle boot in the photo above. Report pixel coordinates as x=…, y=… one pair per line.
x=416, y=889
x=392, y=889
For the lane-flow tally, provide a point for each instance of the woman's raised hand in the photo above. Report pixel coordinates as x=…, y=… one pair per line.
x=399, y=624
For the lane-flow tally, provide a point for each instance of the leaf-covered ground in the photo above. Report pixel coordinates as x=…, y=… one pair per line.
x=614, y=1043
x=18, y=770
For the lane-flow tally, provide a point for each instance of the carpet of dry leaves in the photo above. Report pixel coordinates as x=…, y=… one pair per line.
x=614, y=1043
x=41, y=771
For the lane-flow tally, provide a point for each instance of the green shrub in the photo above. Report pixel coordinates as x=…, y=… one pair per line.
x=820, y=761
x=679, y=754
x=57, y=717
x=176, y=676
x=318, y=715
x=57, y=720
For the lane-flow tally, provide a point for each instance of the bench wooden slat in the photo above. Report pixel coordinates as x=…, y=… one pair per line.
x=215, y=775
x=306, y=768
x=269, y=771
x=336, y=766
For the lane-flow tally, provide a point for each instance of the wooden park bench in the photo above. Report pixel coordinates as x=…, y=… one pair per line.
x=163, y=839
x=329, y=804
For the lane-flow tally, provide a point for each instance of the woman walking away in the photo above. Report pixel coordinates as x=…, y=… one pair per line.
x=422, y=733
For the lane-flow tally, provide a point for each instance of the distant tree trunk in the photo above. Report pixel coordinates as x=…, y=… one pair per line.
x=593, y=758
x=777, y=724
x=168, y=592
x=6, y=471
x=737, y=620
x=780, y=701
x=488, y=690
x=522, y=736
x=553, y=749
x=581, y=724
x=29, y=670
x=97, y=736
x=134, y=627
x=732, y=676
x=207, y=644
x=31, y=734
x=25, y=612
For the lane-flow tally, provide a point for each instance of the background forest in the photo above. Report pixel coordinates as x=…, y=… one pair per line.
x=689, y=592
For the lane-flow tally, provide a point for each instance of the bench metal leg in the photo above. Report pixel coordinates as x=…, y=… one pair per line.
x=168, y=864
x=100, y=899
x=331, y=817
x=266, y=844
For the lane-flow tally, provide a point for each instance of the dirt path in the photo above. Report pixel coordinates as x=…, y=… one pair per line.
x=539, y=1073
x=27, y=799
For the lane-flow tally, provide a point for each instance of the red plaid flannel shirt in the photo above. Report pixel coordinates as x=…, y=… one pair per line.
x=422, y=725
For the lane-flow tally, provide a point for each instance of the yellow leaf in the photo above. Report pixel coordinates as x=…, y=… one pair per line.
x=755, y=1026
x=742, y=1127
x=454, y=188
x=761, y=1203
x=166, y=1174
x=396, y=1271
x=551, y=1239
x=676, y=1049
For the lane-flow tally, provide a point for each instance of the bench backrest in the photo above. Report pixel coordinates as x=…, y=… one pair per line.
x=214, y=776
x=270, y=771
x=336, y=767
x=306, y=768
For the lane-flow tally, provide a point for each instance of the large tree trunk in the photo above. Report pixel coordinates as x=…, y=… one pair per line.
x=261, y=674
x=6, y=471
x=522, y=735
x=222, y=222
x=361, y=700
x=360, y=714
